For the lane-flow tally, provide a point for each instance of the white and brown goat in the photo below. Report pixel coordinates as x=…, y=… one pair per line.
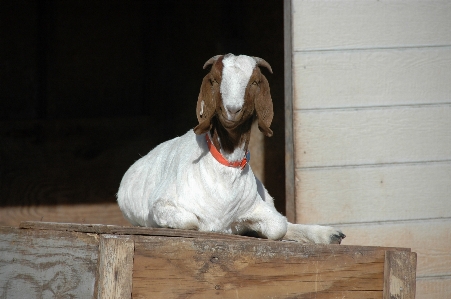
x=202, y=180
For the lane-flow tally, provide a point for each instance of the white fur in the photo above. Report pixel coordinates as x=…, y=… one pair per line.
x=179, y=184
x=235, y=75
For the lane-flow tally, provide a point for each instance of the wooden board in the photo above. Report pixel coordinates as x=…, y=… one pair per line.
x=47, y=264
x=378, y=193
x=124, y=230
x=114, y=275
x=376, y=77
x=372, y=136
x=351, y=24
x=167, y=263
x=203, y=268
x=434, y=288
x=430, y=239
x=290, y=192
x=105, y=213
x=399, y=275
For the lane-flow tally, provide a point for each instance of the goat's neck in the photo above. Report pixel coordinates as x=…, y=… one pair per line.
x=231, y=143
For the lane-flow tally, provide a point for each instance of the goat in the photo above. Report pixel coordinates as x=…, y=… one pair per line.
x=202, y=180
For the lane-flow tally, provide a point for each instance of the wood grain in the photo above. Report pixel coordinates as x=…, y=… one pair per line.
x=378, y=193
x=290, y=192
x=203, y=268
x=350, y=24
x=373, y=136
x=102, y=213
x=399, y=275
x=376, y=77
x=115, y=270
x=434, y=287
x=47, y=264
x=430, y=239
x=124, y=230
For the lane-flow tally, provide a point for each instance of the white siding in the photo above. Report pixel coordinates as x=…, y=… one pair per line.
x=372, y=126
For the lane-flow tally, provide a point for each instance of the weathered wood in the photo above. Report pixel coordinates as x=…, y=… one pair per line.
x=438, y=287
x=376, y=77
x=372, y=136
x=431, y=239
x=105, y=213
x=204, y=268
x=126, y=230
x=200, y=265
x=290, y=187
x=399, y=275
x=377, y=193
x=350, y=24
x=114, y=277
x=47, y=264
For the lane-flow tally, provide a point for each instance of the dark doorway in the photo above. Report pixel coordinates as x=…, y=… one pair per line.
x=88, y=86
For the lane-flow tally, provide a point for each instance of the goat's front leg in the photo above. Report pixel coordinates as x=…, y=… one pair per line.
x=317, y=234
x=166, y=214
x=263, y=220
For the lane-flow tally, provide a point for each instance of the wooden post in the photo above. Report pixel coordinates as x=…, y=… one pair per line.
x=400, y=274
x=114, y=277
x=290, y=188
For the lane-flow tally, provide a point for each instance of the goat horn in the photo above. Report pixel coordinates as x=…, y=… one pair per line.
x=211, y=60
x=262, y=62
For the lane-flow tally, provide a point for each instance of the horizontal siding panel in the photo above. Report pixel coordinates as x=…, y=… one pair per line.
x=397, y=192
x=431, y=240
x=372, y=78
x=434, y=288
x=350, y=24
x=372, y=136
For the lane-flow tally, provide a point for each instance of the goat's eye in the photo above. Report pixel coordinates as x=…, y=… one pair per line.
x=255, y=83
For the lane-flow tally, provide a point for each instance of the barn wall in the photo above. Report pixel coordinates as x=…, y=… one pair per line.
x=372, y=126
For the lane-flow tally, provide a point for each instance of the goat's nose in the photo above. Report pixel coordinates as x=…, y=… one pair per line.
x=233, y=109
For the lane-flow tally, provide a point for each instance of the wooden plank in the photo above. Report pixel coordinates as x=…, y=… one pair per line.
x=47, y=264
x=377, y=77
x=372, y=136
x=430, y=239
x=434, y=287
x=350, y=24
x=105, y=213
x=203, y=268
x=379, y=193
x=126, y=230
x=399, y=275
x=290, y=192
x=115, y=270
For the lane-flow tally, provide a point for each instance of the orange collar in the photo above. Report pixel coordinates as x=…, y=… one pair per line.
x=220, y=158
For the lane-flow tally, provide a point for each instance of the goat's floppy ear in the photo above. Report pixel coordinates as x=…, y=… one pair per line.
x=206, y=106
x=208, y=96
x=264, y=108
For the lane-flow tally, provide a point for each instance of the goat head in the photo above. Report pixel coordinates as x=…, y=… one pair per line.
x=233, y=91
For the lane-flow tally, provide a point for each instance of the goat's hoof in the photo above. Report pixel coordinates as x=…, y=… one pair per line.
x=337, y=237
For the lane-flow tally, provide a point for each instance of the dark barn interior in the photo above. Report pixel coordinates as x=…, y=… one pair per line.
x=86, y=87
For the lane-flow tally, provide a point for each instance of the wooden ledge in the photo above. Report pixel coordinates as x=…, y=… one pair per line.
x=136, y=262
x=126, y=230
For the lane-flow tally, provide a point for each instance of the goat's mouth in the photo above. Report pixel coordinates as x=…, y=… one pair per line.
x=229, y=124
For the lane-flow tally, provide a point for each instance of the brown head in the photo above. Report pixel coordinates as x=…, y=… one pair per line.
x=233, y=93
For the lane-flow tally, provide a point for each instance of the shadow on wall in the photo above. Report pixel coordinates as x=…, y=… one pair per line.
x=87, y=87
